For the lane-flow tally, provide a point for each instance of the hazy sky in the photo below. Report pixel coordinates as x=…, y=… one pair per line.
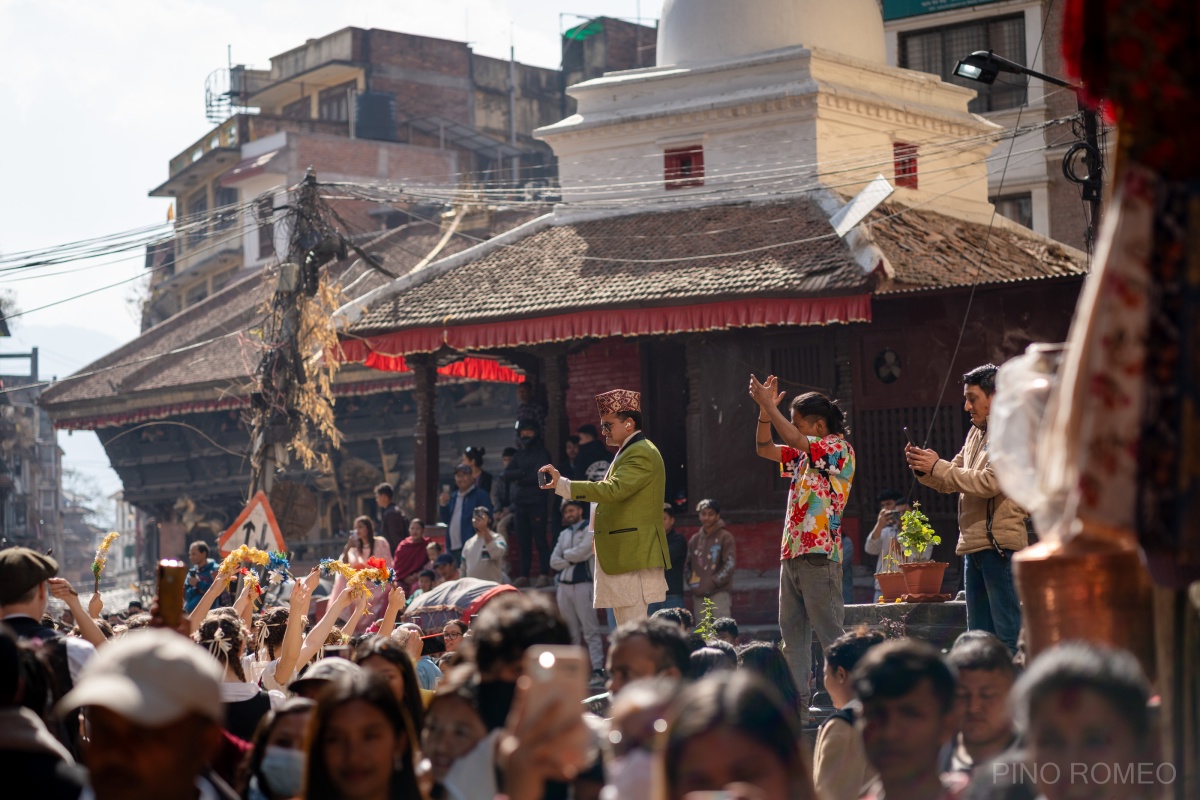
x=96, y=97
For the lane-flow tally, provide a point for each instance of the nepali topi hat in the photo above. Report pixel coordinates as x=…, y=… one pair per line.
x=618, y=401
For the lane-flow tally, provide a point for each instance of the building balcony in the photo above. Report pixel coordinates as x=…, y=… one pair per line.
x=263, y=125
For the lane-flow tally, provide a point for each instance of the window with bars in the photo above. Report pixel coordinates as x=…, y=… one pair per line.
x=905, y=158
x=334, y=104
x=938, y=51
x=225, y=197
x=1017, y=207
x=684, y=167
x=197, y=207
x=266, y=228
x=196, y=294
x=298, y=109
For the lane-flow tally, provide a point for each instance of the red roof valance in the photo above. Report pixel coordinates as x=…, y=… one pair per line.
x=375, y=350
x=477, y=369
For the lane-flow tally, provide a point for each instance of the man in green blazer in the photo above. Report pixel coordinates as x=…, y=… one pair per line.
x=627, y=519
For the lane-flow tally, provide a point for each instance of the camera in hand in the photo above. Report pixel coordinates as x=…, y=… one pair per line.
x=546, y=478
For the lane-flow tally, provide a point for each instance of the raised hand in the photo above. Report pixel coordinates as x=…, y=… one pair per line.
x=300, y=597
x=312, y=580
x=766, y=393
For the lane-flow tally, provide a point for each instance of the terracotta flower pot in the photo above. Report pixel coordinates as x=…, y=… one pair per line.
x=924, y=577
x=891, y=584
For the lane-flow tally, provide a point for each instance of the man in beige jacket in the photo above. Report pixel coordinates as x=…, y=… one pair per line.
x=991, y=527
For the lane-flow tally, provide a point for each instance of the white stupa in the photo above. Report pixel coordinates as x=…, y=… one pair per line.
x=693, y=32
x=765, y=99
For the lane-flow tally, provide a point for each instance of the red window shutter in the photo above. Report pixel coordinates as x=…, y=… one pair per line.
x=905, y=158
x=683, y=167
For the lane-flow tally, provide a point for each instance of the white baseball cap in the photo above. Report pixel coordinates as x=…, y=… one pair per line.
x=152, y=678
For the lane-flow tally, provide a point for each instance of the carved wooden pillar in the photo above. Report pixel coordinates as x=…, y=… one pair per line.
x=554, y=379
x=425, y=437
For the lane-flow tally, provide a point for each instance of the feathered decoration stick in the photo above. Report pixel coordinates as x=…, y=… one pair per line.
x=376, y=572
x=233, y=561
x=278, y=568
x=102, y=557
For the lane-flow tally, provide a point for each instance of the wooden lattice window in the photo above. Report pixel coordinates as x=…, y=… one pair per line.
x=906, y=164
x=684, y=167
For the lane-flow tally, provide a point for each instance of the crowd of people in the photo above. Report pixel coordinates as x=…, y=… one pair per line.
x=225, y=696
x=257, y=703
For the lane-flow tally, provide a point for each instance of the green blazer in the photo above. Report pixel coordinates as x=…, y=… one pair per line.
x=629, y=512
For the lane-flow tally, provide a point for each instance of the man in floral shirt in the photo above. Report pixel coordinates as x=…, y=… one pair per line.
x=820, y=462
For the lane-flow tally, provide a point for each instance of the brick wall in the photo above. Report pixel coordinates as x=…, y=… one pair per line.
x=418, y=52
x=369, y=159
x=606, y=365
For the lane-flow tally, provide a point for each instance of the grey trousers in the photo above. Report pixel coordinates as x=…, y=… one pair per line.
x=810, y=599
x=575, y=603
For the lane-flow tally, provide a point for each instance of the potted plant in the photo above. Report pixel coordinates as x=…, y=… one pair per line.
x=917, y=537
x=891, y=581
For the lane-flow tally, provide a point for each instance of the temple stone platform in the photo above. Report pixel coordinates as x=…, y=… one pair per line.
x=937, y=623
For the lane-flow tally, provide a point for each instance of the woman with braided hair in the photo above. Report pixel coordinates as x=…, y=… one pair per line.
x=245, y=703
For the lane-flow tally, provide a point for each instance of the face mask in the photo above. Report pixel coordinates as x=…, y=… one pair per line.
x=283, y=770
x=629, y=776
x=495, y=700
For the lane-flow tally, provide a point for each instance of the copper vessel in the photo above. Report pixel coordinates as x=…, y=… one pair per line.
x=1092, y=587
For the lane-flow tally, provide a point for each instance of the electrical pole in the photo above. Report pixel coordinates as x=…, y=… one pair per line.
x=281, y=368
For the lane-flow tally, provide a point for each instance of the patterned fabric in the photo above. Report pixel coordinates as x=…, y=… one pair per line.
x=618, y=400
x=821, y=480
x=1168, y=478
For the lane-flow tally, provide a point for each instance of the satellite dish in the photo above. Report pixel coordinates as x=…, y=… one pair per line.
x=887, y=366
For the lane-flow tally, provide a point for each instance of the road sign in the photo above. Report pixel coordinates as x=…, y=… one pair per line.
x=255, y=527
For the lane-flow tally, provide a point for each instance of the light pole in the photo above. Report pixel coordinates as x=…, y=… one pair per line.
x=984, y=66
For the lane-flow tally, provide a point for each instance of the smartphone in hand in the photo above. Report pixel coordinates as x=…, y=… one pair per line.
x=561, y=672
x=908, y=436
x=172, y=575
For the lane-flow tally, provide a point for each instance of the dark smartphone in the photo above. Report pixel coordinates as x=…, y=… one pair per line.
x=908, y=436
x=172, y=576
x=433, y=645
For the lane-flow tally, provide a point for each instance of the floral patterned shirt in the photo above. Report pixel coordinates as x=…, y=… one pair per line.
x=821, y=481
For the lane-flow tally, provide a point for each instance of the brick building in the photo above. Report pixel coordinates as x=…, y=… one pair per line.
x=1029, y=187
x=371, y=106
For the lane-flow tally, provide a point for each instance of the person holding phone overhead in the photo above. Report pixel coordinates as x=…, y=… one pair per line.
x=820, y=463
x=627, y=519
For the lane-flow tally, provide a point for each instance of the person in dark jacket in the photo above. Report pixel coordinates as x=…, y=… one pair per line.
x=677, y=548
x=393, y=525
x=473, y=458
x=456, y=509
x=594, y=457
x=529, y=502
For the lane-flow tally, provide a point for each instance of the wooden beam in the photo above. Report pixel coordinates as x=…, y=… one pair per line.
x=425, y=437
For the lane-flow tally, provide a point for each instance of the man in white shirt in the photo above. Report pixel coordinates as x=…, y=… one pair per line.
x=892, y=505
x=455, y=511
x=485, y=552
x=575, y=560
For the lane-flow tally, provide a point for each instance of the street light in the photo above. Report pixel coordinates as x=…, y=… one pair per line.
x=984, y=66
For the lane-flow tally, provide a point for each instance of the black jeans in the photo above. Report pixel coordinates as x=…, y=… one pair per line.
x=531, y=532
